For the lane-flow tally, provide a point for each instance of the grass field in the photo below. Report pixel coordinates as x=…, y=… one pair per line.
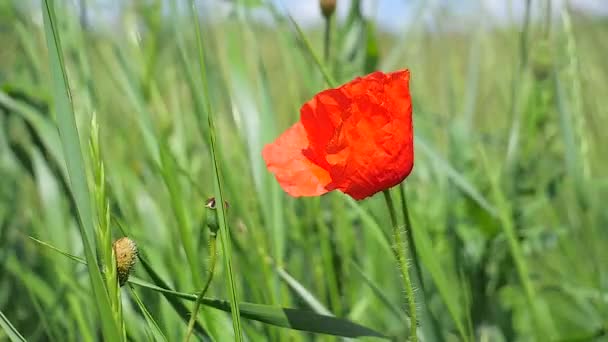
x=127, y=129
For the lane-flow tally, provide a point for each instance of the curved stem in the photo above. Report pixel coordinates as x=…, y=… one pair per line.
x=400, y=249
x=199, y=299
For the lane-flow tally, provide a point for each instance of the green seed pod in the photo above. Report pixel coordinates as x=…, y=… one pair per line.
x=542, y=60
x=126, y=256
x=212, y=218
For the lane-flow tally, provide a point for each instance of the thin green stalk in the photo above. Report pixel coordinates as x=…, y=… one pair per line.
x=327, y=250
x=518, y=92
x=327, y=40
x=328, y=78
x=400, y=250
x=197, y=304
x=410, y=235
x=223, y=224
x=158, y=333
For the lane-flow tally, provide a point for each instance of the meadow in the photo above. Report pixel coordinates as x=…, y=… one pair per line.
x=127, y=129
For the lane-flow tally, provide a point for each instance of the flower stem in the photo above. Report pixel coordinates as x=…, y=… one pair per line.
x=199, y=299
x=400, y=250
x=327, y=40
x=409, y=229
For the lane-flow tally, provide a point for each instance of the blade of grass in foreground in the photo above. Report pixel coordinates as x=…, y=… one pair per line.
x=303, y=293
x=75, y=165
x=219, y=194
x=380, y=294
x=170, y=177
x=9, y=329
x=296, y=319
x=158, y=333
x=175, y=303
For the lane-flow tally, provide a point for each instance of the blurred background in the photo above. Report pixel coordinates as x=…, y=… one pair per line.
x=507, y=197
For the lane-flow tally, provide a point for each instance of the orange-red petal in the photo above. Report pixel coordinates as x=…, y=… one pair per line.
x=356, y=138
x=296, y=173
x=373, y=149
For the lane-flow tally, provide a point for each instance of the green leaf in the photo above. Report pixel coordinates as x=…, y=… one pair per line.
x=177, y=305
x=447, y=290
x=283, y=317
x=219, y=191
x=380, y=294
x=9, y=329
x=306, y=296
x=70, y=142
x=158, y=333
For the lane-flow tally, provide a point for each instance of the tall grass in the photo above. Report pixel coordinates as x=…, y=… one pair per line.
x=505, y=200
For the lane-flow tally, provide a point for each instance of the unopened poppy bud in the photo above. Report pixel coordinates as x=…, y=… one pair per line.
x=212, y=220
x=126, y=256
x=328, y=7
x=542, y=60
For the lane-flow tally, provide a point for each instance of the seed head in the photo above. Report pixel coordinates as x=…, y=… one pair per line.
x=126, y=256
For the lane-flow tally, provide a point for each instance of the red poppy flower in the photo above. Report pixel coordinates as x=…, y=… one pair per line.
x=356, y=138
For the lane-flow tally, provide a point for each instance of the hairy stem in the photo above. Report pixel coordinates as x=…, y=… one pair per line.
x=400, y=249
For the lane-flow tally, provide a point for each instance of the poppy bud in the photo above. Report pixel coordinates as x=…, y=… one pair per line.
x=212, y=220
x=126, y=256
x=327, y=7
x=542, y=60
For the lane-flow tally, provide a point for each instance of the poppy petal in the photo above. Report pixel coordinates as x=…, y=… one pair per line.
x=357, y=138
x=373, y=148
x=296, y=173
x=320, y=116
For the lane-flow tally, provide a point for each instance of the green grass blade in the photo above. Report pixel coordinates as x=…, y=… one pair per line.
x=446, y=289
x=283, y=317
x=541, y=319
x=158, y=333
x=377, y=232
x=306, y=296
x=75, y=165
x=171, y=178
x=326, y=74
x=459, y=180
x=55, y=249
x=45, y=128
x=380, y=294
x=177, y=305
x=219, y=192
x=9, y=329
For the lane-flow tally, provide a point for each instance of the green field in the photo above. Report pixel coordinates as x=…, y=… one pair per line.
x=125, y=126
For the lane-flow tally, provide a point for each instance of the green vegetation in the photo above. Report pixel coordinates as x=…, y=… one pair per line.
x=126, y=130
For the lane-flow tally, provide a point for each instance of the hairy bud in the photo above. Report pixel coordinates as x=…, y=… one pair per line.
x=126, y=256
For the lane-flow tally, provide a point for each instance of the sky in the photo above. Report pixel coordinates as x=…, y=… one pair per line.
x=389, y=15
x=394, y=15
